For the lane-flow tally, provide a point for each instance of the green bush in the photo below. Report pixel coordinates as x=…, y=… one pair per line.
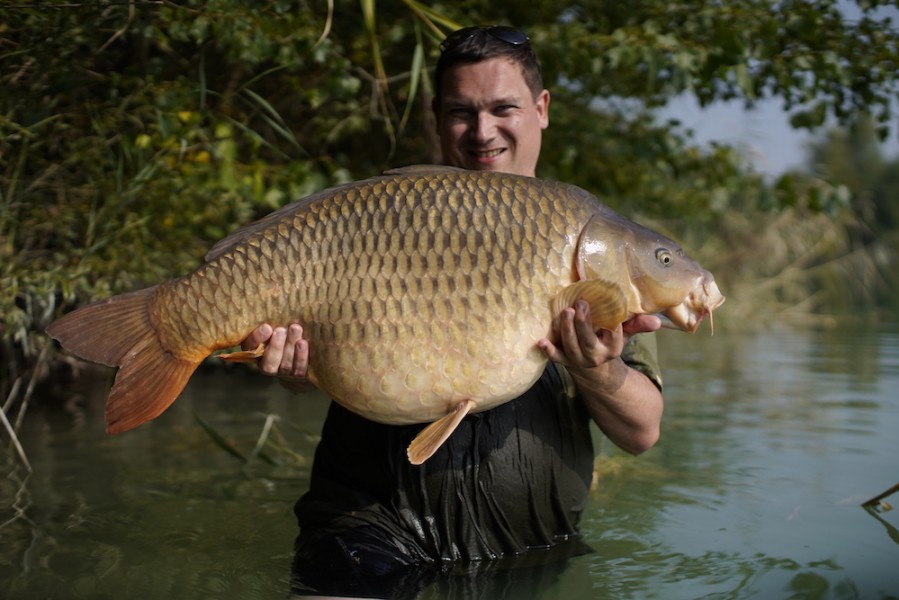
x=135, y=135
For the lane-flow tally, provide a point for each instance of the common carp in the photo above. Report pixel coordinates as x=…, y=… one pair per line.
x=423, y=293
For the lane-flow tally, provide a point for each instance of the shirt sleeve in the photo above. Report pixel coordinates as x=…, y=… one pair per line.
x=641, y=353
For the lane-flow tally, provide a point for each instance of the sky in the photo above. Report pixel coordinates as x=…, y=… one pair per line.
x=763, y=133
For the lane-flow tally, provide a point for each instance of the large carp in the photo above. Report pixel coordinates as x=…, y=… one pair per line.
x=422, y=293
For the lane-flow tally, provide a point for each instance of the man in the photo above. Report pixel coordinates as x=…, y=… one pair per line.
x=509, y=481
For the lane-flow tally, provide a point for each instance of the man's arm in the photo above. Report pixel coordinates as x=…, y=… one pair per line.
x=624, y=403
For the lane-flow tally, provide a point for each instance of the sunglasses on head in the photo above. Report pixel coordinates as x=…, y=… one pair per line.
x=509, y=35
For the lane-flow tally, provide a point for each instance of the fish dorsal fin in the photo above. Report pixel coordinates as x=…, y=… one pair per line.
x=429, y=439
x=423, y=170
x=608, y=304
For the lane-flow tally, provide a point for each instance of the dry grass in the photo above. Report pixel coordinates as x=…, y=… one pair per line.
x=795, y=266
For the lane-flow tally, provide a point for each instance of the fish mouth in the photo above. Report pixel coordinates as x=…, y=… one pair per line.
x=688, y=315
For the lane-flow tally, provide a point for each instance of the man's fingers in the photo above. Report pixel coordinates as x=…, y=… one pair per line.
x=286, y=352
x=299, y=348
x=272, y=358
x=568, y=334
x=642, y=324
x=583, y=328
x=579, y=345
x=260, y=335
x=551, y=351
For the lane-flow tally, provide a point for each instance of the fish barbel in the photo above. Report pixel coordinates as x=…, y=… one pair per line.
x=422, y=292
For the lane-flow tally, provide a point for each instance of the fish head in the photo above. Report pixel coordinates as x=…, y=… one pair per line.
x=655, y=273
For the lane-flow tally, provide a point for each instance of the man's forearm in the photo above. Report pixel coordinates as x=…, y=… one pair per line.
x=625, y=404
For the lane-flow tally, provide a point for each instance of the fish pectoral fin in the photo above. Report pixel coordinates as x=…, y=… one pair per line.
x=244, y=356
x=608, y=304
x=429, y=439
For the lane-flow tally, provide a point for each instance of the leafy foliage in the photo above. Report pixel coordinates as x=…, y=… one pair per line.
x=134, y=135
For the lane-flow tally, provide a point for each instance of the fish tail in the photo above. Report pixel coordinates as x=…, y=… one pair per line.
x=118, y=332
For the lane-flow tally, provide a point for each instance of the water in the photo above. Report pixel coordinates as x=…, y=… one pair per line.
x=770, y=443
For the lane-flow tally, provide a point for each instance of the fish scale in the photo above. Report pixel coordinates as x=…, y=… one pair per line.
x=423, y=294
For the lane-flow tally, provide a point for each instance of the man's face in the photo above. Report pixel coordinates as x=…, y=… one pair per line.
x=489, y=120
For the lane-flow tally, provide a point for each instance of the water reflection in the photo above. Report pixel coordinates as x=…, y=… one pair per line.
x=771, y=441
x=531, y=576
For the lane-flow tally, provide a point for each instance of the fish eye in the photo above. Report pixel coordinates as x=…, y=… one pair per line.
x=664, y=256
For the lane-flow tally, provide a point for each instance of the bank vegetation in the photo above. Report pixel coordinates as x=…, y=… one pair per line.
x=133, y=135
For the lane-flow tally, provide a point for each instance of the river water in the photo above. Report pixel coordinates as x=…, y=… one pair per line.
x=771, y=441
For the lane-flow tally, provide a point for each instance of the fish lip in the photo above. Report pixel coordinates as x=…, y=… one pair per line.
x=689, y=314
x=681, y=319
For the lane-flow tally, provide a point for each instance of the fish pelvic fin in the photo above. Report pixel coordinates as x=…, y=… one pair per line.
x=429, y=439
x=117, y=332
x=243, y=356
x=608, y=304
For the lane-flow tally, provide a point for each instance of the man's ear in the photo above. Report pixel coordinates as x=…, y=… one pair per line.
x=542, y=103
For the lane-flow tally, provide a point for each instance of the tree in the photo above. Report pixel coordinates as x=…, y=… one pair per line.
x=853, y=157
x=133, y=135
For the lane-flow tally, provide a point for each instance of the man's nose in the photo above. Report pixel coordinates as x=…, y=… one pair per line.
x=485, y=127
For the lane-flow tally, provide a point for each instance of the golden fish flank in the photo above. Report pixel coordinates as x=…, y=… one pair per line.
x=422, y=292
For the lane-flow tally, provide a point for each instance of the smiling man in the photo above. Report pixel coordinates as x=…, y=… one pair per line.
x=510, y=481
x=490, y=112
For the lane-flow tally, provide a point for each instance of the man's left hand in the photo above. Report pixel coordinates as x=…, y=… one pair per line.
x=582, y=348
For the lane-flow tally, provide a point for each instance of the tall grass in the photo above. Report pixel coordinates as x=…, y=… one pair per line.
x=801, y=267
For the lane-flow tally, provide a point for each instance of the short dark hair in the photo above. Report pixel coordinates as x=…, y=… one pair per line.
x=471, y=45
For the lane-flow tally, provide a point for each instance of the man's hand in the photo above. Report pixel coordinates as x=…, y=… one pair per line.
x=623, y=402
x=286, y=353
x=582, y=348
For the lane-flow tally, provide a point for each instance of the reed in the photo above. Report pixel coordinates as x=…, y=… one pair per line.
x=271, y=446
x=796, y=266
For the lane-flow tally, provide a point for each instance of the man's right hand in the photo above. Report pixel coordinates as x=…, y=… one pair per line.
x=286, y=353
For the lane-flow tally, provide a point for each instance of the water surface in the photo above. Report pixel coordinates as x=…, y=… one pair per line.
x=770, y=443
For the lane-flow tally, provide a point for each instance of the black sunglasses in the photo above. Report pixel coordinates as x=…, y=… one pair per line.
x=509, y=35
